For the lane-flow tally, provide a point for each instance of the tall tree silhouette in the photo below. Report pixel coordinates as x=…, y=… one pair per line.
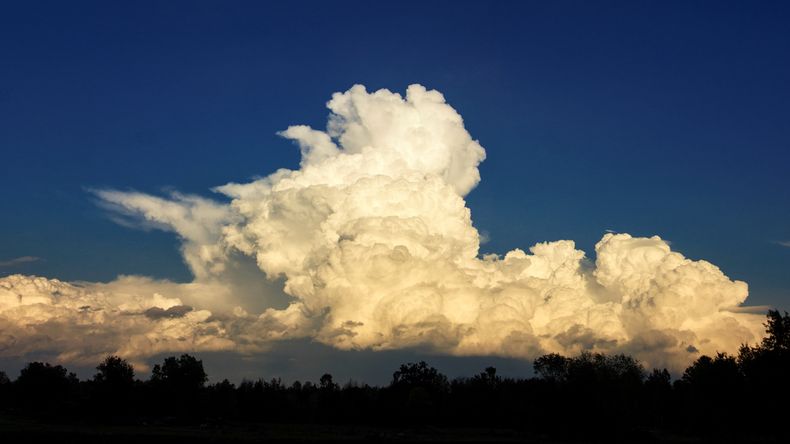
x=419, y=390
x=658, y=395
x=327, y=384
x=552, y=367
x=777, y=328
x=709, y=387
x=766, y=368
x=113, y=385
x=419, y=375
x=183, y=374
x=115, y=372
x=179, y=383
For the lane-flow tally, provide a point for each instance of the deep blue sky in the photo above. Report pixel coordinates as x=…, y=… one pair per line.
x=666, y=118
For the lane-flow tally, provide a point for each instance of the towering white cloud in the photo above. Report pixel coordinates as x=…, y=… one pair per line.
x=375, y=246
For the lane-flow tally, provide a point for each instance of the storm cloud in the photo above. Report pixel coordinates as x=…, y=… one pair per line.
x=369, y=245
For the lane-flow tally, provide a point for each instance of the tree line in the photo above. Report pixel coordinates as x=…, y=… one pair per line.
x=589, y=394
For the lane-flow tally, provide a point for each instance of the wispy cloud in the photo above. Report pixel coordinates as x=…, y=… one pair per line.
x=783, y=243
x=19, y=261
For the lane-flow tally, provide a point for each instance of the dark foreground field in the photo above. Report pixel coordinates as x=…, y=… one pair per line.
x=15, y=430
x=20, y=430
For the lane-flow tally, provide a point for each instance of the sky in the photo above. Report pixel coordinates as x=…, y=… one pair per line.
x=647, y=118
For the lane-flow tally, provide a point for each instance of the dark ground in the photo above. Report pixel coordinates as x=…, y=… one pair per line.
x=19, y=430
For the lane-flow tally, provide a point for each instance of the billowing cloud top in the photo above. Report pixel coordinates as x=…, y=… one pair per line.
x=376, y=248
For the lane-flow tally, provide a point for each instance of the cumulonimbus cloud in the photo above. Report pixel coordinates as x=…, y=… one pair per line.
x=374, y=247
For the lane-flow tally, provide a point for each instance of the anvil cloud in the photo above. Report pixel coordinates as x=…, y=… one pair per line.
x=374, y=248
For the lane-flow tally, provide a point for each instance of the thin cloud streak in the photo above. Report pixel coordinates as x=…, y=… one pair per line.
x=19, y=261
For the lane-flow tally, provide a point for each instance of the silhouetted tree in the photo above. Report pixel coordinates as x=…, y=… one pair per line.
x=115, y=372
x=419, y=390
x=113, y=386
x=713, y=387
x=621, y=369
x=658, y=396
x=222, y=400
x=183, y=374
x=777, y=328
x=179, y=383
x=590, y=388
x=487, y=378
x=326, y=383
x=419, y=375
x=659, y=380
x=45, y=388
x=773, y=352
x=552, y=367
x=766, y=368
x=477, y=398
x=711, y=374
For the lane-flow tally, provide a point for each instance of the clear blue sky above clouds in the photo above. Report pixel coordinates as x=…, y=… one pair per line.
x=666, y=118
